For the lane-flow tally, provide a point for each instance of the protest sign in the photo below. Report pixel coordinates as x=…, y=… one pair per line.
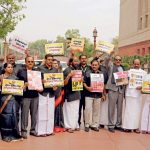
x=14, y=87
x=34, y=80
x=97, y=82
x=53, y=79
x=77, y=81
x=104, y=46
x=146, y=84
x=135, y=78
x=121, y=78
x=77, y=45
x=18, y=44
x=54, y=49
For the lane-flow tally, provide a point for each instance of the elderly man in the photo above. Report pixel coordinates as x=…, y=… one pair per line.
x=133, y=104
x=115, y=96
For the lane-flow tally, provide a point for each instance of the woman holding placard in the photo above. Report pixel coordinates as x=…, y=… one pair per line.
x=8, y=120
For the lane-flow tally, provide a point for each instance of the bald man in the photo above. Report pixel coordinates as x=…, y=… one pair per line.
x=133, y=104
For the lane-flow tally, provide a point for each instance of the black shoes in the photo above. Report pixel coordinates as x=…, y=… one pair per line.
x=119, y=129
x=33, y=133
x=101, y=126
x=111, y=130
x=7, y=139
x=95, y=129
x=24, y=135
x=87, y=129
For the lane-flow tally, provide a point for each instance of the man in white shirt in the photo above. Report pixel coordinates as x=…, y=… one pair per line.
x=133, y=101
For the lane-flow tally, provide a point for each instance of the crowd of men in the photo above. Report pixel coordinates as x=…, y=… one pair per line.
x=116, y=107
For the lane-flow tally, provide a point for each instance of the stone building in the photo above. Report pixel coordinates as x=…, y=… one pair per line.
x=134, y=32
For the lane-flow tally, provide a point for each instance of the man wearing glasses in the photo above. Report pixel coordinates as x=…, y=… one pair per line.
x=115, y=96
x=29, y=101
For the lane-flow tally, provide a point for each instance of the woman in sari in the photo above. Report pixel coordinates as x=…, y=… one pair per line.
x=8, y=121
x=58, y=119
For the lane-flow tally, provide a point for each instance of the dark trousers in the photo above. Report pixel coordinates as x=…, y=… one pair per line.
x=81, y=105
x=115, y=100
x=26, y=105
x=18, y=106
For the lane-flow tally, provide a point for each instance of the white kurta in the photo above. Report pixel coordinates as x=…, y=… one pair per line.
x=45, y=119
x=133, y=106
x=71, y=113
x=145, y=121
x=104, y=112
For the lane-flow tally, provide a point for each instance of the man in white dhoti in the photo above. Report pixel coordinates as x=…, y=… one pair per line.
x=45, y=119
x=71, y=105
x=145, y=121
x=133, y=102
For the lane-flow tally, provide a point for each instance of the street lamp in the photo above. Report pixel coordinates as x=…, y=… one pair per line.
x=95, y=36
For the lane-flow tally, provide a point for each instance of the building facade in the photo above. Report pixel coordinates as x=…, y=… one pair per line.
x=134, y=31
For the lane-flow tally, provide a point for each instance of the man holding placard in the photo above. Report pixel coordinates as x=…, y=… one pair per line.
x=84, y=67
x=73, y=84
x=145, y=121
x=115, y=96
x=29, y=101
x=45, y=123
x=94, y=85
x=133, y=98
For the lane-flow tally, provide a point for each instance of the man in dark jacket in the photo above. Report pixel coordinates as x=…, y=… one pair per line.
x=84, y=67
x=115, y=96
x=29, y=101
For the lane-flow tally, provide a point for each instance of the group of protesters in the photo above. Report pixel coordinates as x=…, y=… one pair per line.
x=117, y=107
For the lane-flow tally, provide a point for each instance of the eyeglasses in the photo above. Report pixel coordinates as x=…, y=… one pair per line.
x=117, y=59
x=30, y=61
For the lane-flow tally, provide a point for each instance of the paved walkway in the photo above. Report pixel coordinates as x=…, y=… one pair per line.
x=81, y=140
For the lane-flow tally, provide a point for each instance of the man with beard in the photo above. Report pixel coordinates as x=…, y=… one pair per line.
x=133, y=104
x=72, y=98
x=84, y=67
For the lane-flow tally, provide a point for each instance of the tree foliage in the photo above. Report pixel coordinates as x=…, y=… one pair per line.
x=128, y=60
x=72, y=33
x=115, y=42
x=38, y=47
x=10, y=15
x=60, y=39
x=88, y=49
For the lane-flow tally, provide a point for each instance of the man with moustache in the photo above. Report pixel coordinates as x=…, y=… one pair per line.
x=72, y=98
x=29, y=101
x=92, y=99
x=48, y=97
x=133, y=104
x=84, y=67
x=115, y=96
